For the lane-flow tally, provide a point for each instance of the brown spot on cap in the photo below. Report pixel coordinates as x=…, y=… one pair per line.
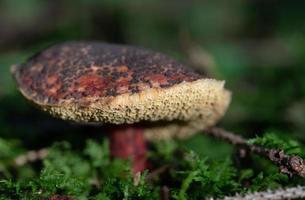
x=52, y=79
x=91, y=85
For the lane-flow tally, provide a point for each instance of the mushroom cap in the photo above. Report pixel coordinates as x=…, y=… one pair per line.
x=106, y=83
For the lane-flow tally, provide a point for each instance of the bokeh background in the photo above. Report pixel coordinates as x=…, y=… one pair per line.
x=257, y=46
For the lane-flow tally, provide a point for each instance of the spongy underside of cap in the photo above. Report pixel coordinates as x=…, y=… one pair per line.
x=204, y=100
x=210, y=114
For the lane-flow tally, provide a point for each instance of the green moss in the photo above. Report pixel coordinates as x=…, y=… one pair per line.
x=91, y=174
x=272, y=140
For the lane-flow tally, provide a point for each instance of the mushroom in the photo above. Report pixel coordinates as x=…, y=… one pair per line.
x=140, y=93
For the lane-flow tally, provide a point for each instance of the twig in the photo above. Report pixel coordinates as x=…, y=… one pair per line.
x=31, y=156
x=156, y=172
x=286, y=193
x=164, y=193
x=58, y=197
x=226, y=135
x=289, y=165
x=150, y=176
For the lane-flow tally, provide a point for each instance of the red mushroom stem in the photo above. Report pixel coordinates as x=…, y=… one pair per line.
x=129, y=142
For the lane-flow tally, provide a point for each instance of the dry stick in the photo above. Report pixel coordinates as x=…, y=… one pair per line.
x=286, y=193
x=31, y=156
x=58, y=197
x=156, y=172
x=164, y=193
x=289, y=165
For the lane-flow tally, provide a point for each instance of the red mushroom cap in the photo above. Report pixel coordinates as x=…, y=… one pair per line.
x=77, y=70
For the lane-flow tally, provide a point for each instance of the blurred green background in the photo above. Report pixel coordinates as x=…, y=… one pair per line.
x=257, y=46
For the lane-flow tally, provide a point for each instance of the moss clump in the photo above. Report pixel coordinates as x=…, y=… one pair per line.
x=91, y=174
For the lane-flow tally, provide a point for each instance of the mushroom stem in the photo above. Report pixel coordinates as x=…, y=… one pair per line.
x=129, y=142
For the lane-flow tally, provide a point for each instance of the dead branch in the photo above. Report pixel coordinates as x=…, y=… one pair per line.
x=289, y=165
x=31, y=156
x=164, y=193
x=156, y=172
x=286, y=193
